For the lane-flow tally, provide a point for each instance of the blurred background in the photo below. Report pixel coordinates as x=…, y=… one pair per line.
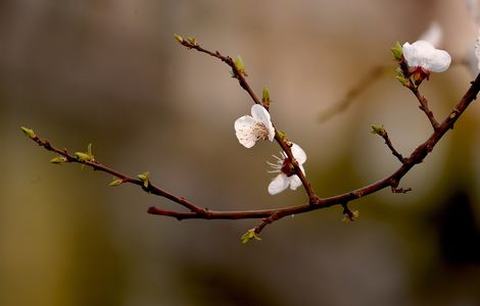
x=109, y=72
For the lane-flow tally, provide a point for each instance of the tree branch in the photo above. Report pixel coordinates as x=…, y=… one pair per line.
x=271, y=215
x=95, y=165
x=274, y=214
x=416, y=157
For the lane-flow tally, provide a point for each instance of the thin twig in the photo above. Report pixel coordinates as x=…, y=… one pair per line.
x=413, y=87
x=383, y=133
x=95, y=165
x=424, y=106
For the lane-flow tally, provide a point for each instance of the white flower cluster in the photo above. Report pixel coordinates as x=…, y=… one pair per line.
x=258, y=126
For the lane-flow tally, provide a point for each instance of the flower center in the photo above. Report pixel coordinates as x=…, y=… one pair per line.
x=287, y=167
x=419, y=74
x=260, y=131
x=282, y=164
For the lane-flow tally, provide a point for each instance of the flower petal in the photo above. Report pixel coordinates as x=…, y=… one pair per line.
x=278, y=184
x=260, y=114
x=439, y=61
x=294, y=182
x=416, y=53
x=244, y=131
x=271, y=131
x=422, y=54
x=299, y=154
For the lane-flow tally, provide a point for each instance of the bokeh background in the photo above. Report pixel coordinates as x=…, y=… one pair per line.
x=109, y=72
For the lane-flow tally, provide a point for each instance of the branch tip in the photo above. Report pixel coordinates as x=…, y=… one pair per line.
x=400, y=190
x=349, y=215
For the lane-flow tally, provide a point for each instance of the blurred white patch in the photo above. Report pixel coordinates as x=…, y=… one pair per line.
x=477, y=50
x=433, y=34
x=472, y=60
x=472, y=7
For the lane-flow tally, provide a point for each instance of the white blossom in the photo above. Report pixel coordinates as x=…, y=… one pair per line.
x=422, y=54
x=250, y=129
x=283, y=167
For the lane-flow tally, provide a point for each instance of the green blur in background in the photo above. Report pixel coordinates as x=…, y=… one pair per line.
x=109, y=72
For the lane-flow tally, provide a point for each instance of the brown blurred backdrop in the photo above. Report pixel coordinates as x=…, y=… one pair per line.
x=109, y=72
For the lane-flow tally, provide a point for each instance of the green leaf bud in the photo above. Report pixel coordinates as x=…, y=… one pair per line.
x=178, y=38
x=378, y=130
x=397, y=51
x=58, y=160
x=249, y=235
x=82, y=156
x=266, y=97
x=116, y=182
x=240, y=65
x=28, y=132
x=144, y=177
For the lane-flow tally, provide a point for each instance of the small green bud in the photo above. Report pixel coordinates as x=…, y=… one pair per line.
x=144, y=178
x=89, y=150
x=240, y=65
x=266, y=97
x=58, y=160
x=399, y=75
x=82, y=156
x=282, y=134
x=178, y=38
x=192, y=40
x=347, y=218
x=249, y=235
x=397, y=51
x=378, y=130
x=85, y=156
x=404, y=81
x=116, y=182
x=28, y=132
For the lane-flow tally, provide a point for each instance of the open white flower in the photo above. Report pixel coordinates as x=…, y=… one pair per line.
x=250, y=129
x=283, y=166
x=423, y=55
